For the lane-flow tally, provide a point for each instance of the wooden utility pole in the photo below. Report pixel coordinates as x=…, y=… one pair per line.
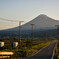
x=20, y=32
x=57, y=32
x=46, y=35
x=32, y=31
x=32, y=36
x=40, y=37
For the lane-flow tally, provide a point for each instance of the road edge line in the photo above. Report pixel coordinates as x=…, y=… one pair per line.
x=53, y=52
x=39, y=50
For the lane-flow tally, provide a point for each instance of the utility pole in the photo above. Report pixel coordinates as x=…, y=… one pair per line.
x=40, y=37
x=32, y=36
x=32, y=31
x=57, y=32
x=46, y=35
x=20, y=32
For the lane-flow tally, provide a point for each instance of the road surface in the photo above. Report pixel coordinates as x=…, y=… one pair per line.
x=45, y=53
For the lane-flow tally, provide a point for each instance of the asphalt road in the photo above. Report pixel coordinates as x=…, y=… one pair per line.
x=45, y=53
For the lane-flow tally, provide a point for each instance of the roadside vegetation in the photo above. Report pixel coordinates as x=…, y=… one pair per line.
x=28, y=47
x=57, y=49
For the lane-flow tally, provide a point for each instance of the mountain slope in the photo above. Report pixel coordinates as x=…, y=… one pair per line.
x=41, y=22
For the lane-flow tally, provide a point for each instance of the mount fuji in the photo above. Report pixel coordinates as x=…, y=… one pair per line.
x=40, y=22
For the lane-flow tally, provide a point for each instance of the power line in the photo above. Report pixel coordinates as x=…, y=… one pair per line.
x=8, y=20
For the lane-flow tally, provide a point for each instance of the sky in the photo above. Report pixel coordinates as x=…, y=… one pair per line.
x=26, y=10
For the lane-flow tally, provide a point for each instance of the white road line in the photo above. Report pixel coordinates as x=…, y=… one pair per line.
x=53, y=52
x=38, y=51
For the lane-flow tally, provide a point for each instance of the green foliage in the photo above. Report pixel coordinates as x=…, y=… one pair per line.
x=57, y=49
x=29, y=47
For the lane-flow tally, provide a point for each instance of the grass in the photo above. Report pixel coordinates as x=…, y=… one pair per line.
x=57, y=49
x=27, y=49
x=37, y=47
